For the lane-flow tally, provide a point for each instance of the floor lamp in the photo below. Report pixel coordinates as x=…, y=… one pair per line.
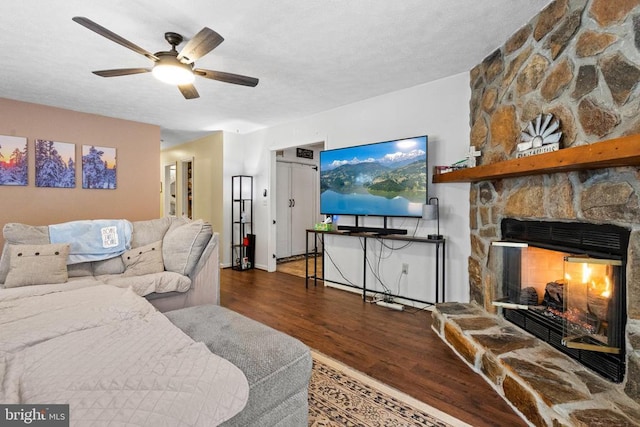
x=431, y=211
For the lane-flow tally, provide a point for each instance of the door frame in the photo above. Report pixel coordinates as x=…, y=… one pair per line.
x=185, y=203
x=167, y=169
x=316, y=184
x=274, y=155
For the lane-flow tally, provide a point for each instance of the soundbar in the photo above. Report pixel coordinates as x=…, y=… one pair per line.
x=375, y=230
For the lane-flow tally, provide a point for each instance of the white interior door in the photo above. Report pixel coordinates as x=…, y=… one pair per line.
x=296, y=206
x=304, y=189
x=283, y=210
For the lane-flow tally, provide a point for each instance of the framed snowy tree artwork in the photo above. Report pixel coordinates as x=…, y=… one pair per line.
x=98, y=167
x=13, y=160
x=55, y=164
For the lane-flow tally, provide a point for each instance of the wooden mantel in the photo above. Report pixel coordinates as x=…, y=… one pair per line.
x=624, y=151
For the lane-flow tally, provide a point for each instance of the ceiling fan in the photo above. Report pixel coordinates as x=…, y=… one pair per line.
x=171, y=66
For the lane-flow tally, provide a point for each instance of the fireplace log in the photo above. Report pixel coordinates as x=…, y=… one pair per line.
x=598, y=306
x=529, y=296
x=554, y=295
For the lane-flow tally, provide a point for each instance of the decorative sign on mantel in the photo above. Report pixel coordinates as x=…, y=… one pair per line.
x=541, y=136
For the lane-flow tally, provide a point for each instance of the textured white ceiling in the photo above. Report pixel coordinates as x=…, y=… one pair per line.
x=310, y=55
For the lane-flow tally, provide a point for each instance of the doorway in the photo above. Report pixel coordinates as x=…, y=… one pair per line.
x=187, y=187
x=170, y=189
x=297, y=200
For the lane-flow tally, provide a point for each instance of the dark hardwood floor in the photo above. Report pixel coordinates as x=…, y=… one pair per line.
x=397, y=348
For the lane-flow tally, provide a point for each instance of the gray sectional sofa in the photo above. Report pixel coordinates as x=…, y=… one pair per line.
x=186, y=274
x=173, y=263
x=277, y=366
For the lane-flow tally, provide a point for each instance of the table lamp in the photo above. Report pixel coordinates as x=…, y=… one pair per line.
x=431, y=211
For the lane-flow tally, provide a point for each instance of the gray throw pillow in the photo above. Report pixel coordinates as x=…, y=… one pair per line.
x=182, y=246
x=143, y=260
x=15, y=233
x=149, y=231
x=37, y=265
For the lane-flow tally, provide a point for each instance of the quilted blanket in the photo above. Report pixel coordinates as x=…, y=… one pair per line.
x=108, y=354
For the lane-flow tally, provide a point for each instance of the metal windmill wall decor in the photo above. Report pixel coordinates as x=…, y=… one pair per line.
x=542, y=135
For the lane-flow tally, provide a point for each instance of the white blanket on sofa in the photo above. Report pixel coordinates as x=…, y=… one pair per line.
x=93, y=240
x=107, y=353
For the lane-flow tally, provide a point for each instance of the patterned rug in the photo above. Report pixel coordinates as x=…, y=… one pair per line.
x=341, y=396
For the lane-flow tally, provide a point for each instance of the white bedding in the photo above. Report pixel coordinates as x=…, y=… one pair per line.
x=107, y=353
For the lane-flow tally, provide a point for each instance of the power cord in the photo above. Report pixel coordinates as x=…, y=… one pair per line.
x=376, y=274
x=338, y=268
x=387, y=295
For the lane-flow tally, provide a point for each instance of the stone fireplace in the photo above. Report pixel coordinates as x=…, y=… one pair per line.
x=565, y=283
x=580, y=61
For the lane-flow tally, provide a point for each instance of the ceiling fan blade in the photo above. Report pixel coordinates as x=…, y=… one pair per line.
x=236, y=79
x=88, y=23
x=201, y=44
x=121, y=72
x=189, y=91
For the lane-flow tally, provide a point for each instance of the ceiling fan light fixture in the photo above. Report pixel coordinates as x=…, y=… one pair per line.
x=172, y=67
x=169, y=70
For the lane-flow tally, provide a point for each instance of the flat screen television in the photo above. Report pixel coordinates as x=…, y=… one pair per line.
x=387, y=179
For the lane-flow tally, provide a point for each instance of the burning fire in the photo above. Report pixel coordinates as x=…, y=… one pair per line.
x=599, y=284
x=586, y=273
x=607, y=291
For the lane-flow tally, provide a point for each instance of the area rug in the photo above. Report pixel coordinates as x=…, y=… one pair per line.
x=341, y=396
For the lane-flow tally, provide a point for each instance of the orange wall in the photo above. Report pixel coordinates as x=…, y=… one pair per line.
x=137, y=195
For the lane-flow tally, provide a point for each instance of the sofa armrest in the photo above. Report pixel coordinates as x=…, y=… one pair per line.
x=205, y=282
x=205, y=279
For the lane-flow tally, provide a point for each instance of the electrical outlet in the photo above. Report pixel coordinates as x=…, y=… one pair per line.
x=405, y=268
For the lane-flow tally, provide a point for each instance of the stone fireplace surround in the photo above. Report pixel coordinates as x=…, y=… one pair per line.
x=543, y=385
x=544, y=262
x=580, y=61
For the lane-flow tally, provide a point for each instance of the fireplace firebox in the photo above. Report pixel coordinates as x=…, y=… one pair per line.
x=565, y=283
